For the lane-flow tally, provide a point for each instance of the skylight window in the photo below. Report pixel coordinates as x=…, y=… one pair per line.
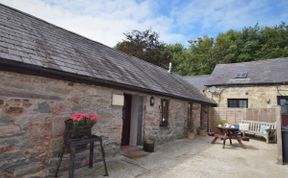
x=241, y=75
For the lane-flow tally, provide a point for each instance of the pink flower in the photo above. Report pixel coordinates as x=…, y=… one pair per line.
x=77, y=116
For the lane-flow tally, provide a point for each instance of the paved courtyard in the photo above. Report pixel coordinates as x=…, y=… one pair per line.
x=197, y=158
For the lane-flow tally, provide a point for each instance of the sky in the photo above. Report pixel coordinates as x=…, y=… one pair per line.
x=176, y=21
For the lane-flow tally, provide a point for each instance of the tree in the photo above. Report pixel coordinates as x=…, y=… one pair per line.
x=248, y=44
x=145, y=45
x=202, y=56
x=180, y=58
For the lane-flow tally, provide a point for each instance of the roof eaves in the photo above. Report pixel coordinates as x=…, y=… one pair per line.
x=53, y=73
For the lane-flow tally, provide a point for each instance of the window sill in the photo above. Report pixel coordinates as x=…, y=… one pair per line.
x=164, y=127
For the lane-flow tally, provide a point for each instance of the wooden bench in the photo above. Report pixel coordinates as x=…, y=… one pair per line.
x=254, y=127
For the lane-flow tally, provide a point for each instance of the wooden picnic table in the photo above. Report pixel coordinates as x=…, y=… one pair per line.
x=228, y=133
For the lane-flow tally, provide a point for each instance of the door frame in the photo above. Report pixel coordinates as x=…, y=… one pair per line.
x=133, y=112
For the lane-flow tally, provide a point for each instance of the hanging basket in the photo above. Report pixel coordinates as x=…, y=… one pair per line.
x=77, y=131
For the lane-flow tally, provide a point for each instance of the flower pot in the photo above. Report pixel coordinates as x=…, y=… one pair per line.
x=190, y=135
x=202, y=132
x=148, y=147
x=77, y=131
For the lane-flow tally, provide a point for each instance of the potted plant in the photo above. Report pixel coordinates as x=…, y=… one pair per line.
x=79, y=125
x=149, y=144
x=190, y=130
x=222, y=122
x=201, y=131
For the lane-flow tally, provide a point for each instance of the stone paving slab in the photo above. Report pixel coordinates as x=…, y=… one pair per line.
x=197, y=158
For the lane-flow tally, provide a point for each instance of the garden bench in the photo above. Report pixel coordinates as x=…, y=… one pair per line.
x=257, y=128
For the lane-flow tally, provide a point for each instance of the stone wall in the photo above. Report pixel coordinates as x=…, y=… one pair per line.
x=152, y=116
x=177, y=120
x=258, y=96
x=32, y=114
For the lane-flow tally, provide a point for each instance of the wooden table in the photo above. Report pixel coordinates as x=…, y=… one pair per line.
x=228, y=133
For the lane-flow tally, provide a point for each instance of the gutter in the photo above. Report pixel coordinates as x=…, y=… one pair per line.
x=249, y=84
x=20, y=67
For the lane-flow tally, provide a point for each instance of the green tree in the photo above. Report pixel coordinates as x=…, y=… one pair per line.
x=145, y=45
x=248, y=44
x=180, y=58
x=202, y=56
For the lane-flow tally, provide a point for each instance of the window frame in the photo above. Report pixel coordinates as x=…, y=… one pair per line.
x=164, y=113
x=279, y=98
x=238, y=102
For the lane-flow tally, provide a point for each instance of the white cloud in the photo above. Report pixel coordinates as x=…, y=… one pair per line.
x=103, y=21
x=204, y=16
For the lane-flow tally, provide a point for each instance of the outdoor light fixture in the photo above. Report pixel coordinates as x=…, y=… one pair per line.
x=152, y=101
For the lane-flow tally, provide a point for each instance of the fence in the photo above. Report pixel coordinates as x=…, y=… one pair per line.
x=236, y=115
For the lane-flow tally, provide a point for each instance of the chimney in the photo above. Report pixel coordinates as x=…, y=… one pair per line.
x=170, y=67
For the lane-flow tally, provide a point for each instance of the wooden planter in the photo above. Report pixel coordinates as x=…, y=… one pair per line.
x=77, y=131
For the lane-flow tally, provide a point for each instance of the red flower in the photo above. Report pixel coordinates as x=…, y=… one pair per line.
x=77, y=116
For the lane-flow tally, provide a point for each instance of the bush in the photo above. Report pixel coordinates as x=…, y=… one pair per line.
x=149, y=140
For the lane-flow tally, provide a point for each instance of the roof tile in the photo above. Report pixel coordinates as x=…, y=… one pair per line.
x=33, y=41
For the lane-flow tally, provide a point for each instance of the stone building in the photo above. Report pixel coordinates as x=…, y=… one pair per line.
x=257, y=84
x=47, y=73
x=254, y=85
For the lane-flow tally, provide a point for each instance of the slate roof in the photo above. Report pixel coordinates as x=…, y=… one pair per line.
x=271, y=71
x=198, y=81
x=27, y=39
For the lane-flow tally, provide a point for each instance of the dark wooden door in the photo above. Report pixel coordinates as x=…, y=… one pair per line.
x=283, y=102
x=126, y=117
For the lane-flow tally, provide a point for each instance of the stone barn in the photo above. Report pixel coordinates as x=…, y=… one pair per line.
x=47, y=73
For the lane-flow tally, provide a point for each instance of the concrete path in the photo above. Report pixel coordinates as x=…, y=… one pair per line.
x=197, y=158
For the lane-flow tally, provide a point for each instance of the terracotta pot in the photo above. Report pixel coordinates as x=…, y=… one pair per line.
x=202, y=132
x=190, y=135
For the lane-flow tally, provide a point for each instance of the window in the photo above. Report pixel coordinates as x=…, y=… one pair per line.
x=237, y=103
x=283, y=102
x=164, y=113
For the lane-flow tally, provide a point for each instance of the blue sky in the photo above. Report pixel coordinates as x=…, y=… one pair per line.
x=177, y=21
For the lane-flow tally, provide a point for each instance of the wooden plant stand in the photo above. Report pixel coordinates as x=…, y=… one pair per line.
x=72, y=144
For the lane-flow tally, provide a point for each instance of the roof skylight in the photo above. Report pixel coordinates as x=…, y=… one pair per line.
x=241, y=75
